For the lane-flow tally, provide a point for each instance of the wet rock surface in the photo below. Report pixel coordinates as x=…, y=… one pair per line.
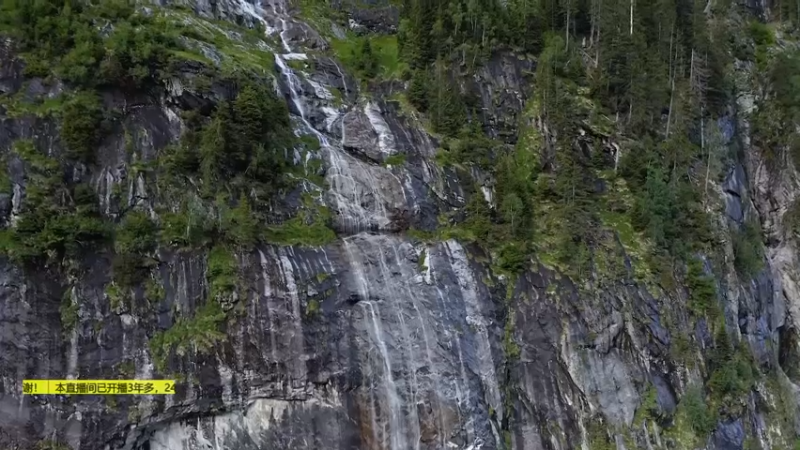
x=376, y=341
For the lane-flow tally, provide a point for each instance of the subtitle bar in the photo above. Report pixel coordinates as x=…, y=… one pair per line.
x=98, y=387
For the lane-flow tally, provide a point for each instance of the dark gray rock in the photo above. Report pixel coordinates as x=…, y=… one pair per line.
x=735, y=191
x=502, y=85
x=378, y=18
x=664, y=395
x=729, y=436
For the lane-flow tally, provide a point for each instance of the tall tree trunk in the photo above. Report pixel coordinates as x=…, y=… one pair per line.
x=566, y=26
x=708, y=155
x=672, y=83
x=599, y=21
x=631, y=17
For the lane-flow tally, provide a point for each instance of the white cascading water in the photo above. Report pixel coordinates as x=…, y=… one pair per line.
x=396, y=432
x=353, y=189
x=413, y=358
x=348, y=196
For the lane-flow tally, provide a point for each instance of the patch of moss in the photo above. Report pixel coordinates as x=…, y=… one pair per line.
x=422, y=259
x=239, y=48
x=222, y=273
x=748, y=249
x=312, y=308
x=383, y=52
x=6, y=185
x=782, y=411
x=298, y=231
x=648, y=408
x=153, y=290
x=422, y=235
x=597, y=436
x=310, y=142
x=196, y=334
x=51, y=445
x=116, y=295
x=19, y=106
x=308, y=228
x=126, y=369
x=321, y=277
x=396, y=160
x=69, y=311
x=320, y=15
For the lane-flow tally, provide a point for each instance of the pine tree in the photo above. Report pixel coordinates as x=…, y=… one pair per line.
x=367, y=62
x=418, y=91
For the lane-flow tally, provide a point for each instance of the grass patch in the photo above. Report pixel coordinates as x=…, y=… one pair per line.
x=197, y=334
x=116, y=295
x=238, y=47
x=222, y=273
x=383, y=56
x=308, y=228
x=298, y=231
x=154, y=291
x=18, y=106
x=321, y=16
x=396, y=160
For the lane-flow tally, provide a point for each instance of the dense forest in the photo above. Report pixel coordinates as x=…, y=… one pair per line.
x=643, y=83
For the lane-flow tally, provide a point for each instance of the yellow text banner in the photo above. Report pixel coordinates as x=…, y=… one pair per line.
x=98, y=387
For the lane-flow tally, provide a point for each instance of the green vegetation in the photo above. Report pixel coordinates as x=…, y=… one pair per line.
x=154, y=290
x=198, y=334
x=81, y=126
x=398, y=159
x=116, y=296
x=69, y=311
x=238, y=225
x=300, y=231
x=693, y=419
x=190, y=227
x=732, y=375
x=136, y=233
x=702, y=290
x=222, y=273
x=748, y=249
x=135, y=240
x=241, y=142
x=648, y=408
x=369, y=57
x=597, y=436
x=58, y=219
x=62, y=39
x=783, y=411
x=51, y=445
x=312, y=308
x=212, y=191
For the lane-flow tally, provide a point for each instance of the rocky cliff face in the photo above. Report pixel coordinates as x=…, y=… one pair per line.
x=378, y=340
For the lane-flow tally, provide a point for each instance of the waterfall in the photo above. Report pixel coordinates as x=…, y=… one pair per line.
x=396, y=430
x=354, y=190
x=411, y=380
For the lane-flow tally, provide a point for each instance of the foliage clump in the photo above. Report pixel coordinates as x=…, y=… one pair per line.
x=748, y=249
x=189, y=334
x=81, y=126
x=90, y=44
x=58, y=219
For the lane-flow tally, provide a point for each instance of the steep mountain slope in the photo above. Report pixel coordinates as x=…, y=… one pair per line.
x=337, y=231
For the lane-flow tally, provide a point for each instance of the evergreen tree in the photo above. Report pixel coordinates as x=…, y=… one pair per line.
x=418, y=91
x=366, y=60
